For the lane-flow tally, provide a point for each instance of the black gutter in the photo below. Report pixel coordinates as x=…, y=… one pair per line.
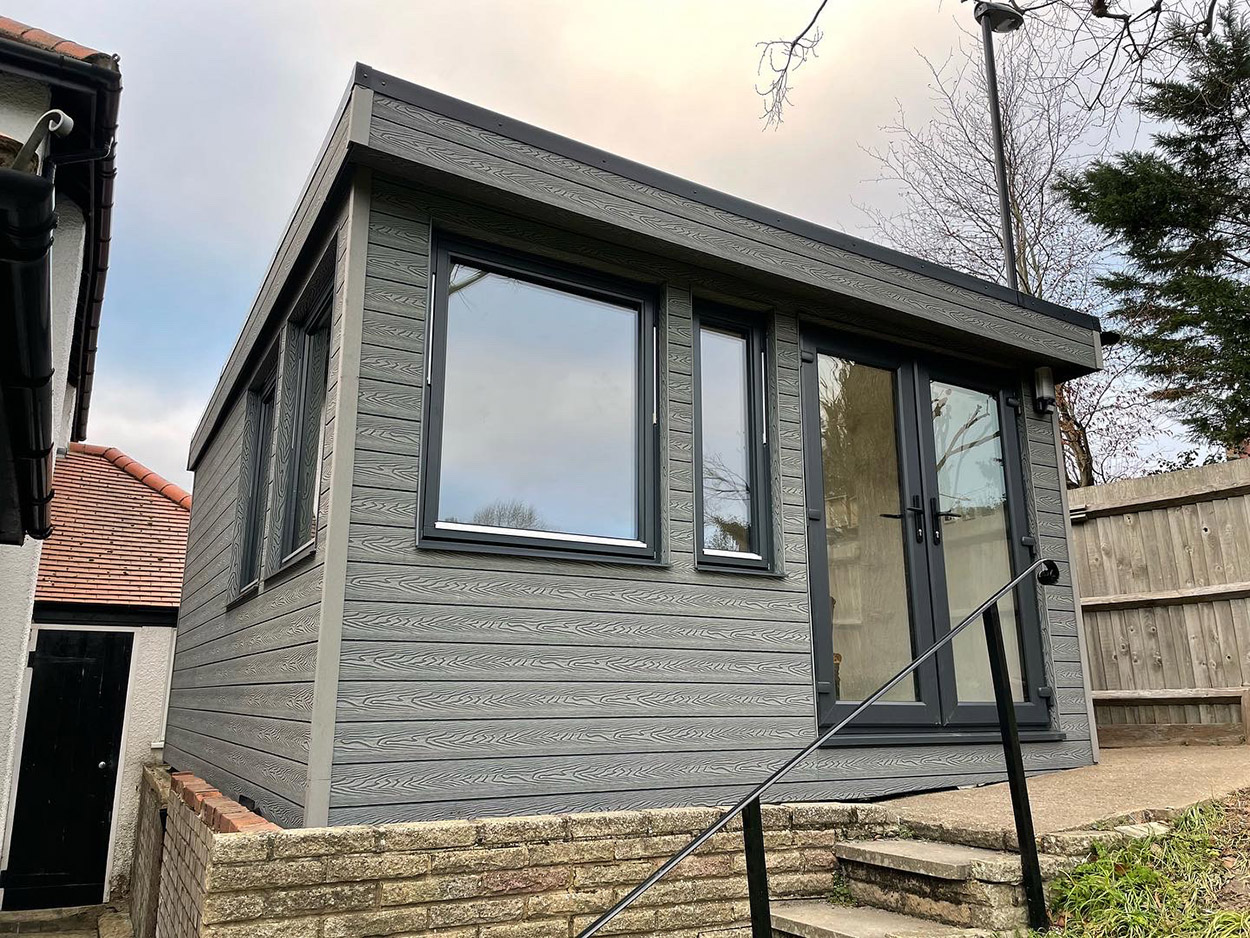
x=27, y=219
x=90, y=92
x=455, y=109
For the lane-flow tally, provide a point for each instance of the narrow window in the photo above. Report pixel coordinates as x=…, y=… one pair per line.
x=542, y=418
x=731, y=440
x=261, y=401
x=310, y=366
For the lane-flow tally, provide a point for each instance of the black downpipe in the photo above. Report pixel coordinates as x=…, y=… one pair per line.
x=27, y=219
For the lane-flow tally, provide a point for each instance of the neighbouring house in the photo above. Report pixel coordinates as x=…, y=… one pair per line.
x=541, y=481
x=55, y=212
x=93, y=707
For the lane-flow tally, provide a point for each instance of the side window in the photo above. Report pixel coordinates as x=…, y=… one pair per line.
x=262, y=400
x=308, y=361
x=731, y=440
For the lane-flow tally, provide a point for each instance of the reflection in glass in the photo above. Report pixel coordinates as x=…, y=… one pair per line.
x=307, y=431
x=867, y=577
x=724, y=422
x=540, y=413
x=973, y=497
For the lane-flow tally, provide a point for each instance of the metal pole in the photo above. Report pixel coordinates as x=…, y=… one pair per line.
x=757, y=870
x=1000, y=160
x=1034, y=894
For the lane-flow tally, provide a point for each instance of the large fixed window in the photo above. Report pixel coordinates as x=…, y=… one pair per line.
x=541, y=411
x=308, y=362
x=261, y=406
x=731, y=439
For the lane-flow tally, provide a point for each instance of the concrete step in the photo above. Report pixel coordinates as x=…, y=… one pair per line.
x=67, y=921
x=969, y=887
x=817, y=918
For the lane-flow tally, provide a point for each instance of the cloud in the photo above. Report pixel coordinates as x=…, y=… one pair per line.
x=150, y=422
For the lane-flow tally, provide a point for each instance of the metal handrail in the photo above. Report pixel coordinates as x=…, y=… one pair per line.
x=1048, y=576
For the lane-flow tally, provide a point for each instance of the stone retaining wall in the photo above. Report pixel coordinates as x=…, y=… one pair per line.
x=229, y=874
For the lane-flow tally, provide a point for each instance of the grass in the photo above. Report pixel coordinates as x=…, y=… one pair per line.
x=1179, y=884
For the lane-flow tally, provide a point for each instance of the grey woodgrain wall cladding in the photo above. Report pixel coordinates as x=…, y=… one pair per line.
x=380, y=680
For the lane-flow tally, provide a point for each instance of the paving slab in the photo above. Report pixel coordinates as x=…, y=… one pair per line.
x=926, y=858
x=1126, y=783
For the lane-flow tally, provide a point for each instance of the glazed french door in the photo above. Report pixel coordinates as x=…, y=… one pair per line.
x=915, y=515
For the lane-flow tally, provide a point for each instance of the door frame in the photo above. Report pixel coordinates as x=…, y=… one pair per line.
x=27, y=673
x=952, y=717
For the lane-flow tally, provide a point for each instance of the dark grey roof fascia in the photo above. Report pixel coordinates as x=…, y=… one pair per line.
x=480, y=117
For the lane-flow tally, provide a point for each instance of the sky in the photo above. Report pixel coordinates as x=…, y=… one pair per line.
x=225, y=106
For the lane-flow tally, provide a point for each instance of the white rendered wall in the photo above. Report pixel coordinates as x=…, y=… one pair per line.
x=21, y=103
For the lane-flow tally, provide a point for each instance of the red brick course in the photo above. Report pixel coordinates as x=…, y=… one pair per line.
x=222, y=815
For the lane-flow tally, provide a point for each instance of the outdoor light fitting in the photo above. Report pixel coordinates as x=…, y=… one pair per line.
x=1003, y=18
x=1043, y=390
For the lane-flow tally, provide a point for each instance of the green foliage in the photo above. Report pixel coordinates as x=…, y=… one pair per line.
x=1180, y=216
x=1154, y=888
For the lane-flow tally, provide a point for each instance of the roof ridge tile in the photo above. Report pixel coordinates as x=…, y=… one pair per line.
x=153, y=480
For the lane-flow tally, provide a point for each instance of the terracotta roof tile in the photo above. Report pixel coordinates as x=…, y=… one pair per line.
x=119, y=532
x=32, y=36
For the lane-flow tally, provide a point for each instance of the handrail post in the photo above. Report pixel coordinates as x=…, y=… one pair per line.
x=757, y=870
x=1035, y=895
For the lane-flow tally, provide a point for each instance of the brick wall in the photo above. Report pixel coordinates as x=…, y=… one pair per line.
x=145, y=872
x=228, y=874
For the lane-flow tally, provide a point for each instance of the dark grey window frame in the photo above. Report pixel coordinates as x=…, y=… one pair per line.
x=291, y=548
x=445, y=252
x=759, y=440
x=262, y=402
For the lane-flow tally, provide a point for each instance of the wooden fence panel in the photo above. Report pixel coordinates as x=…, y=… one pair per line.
x=1163, y=568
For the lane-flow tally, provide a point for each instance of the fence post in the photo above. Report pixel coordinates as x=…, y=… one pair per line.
x=757, y=870
x=1035, y=895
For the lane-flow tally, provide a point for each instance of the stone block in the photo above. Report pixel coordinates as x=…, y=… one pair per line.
x=521, y=830
x=232, y=907
x=551, y=928
x=376, y=923
x=630, y=921
x=573, y=851
x=480, y=860
x=609, y=824
x=542, y=879
x=361, y=866
x=340, y=897
x=241, y=848
x=570, y=902
x=476, y=912
x=688, y=821
x=272, y=874
x=429, y=889
x=287, y=928
x=427, y=835
x=822, y=815
x=323, y=841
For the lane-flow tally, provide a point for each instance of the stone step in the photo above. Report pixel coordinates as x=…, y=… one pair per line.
x=938, y=860
x=817, y=918
x=969, y=887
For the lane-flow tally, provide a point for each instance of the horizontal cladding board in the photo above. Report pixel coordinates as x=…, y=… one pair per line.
x=287, y=738
x=267, y=667
x=283, y=701
x=433, y=128
x=449, y=661
x=594, y=802
x=371, y=544
x=394, y=740
x=542, y=591
x=282, y=777
x=400, y=700
x=293, y=628
x=406, y=782
x=371, y=621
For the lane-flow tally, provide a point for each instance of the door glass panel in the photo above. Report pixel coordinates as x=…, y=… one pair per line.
x=973, y=499
x=867, y=577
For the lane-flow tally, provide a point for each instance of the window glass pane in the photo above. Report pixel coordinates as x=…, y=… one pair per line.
x=540, y=413
x=973, y=495
x=872, y=635
x=258, y=486
x=306, y=454
x=724, y=393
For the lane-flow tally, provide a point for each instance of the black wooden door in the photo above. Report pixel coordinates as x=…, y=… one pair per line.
x=70, y=750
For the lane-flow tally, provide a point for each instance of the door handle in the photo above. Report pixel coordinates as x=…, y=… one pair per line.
x=916, y=512
x=102, y=765
x=938, y=515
